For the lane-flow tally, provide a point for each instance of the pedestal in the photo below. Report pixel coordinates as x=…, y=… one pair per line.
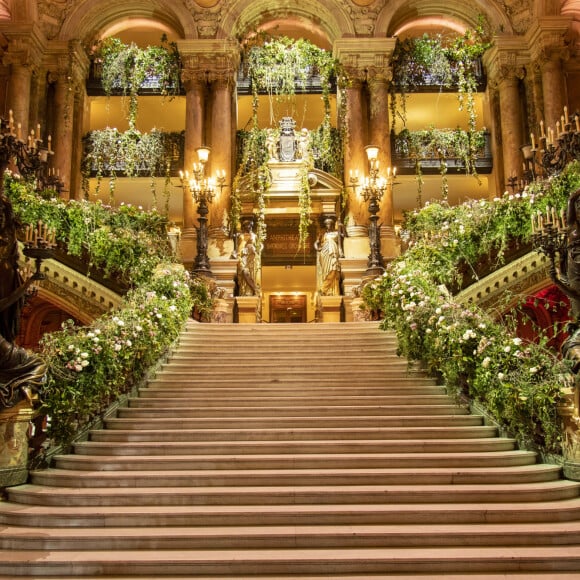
x=331, y=308
x=222, y=311
x=247, y=309
x=14, y=430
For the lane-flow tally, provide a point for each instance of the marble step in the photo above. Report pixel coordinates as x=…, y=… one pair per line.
x=280, y=477
x=254, y=537
x=297, y=401
x=296, y=448
x=290, y=434
x=106, y=517
x=295, y=461
x=293, y=411
x=169, y=495
x=328, y=561
x=459, y=418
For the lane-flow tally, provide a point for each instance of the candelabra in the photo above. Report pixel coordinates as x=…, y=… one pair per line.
x=372, y=190
x=203, y=190
x=28, y=155
x=556, y=149
x=549, y=237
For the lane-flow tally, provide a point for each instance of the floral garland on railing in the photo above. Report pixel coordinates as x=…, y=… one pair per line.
x=519, y=383
x=90, y=367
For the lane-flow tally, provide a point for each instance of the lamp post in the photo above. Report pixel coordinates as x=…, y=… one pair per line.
x=203, y=190
x=372, y=190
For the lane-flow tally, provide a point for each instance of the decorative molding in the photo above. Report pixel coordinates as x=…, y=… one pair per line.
x=73, y=292
x=522, y=276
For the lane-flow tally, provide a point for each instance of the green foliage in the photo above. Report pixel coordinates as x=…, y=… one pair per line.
x=520, y=384
x=90, y=367
x=125, y=67
x=126, y=243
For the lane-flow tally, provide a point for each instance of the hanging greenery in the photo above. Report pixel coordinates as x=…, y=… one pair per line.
x=125, y=68
x=280, y=67
x=110, y=152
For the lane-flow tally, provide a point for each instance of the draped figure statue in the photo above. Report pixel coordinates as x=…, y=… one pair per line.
x=328, y=251
x=248, y=261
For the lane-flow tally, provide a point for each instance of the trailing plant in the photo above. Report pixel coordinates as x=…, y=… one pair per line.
x=109, y=152
x=279, y=67
x=519, y=383
x=126, y=67
x=90, y=367
x=305, y=208
x=125, y=243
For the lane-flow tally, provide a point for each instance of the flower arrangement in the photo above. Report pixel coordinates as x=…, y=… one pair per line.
x=519, y=383
x=90, y=367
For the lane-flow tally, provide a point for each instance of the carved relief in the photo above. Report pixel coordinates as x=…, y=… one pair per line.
x=207, y=16
x=520, y=14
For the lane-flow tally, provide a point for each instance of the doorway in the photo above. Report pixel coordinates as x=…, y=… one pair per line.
x=288, y=308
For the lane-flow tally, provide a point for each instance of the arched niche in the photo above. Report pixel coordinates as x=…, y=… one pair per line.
x=93, y=20
x=320, y=21
x=400, y=14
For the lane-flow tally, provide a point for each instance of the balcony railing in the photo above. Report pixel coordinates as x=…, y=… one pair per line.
x=173, y=152
x=429, y=148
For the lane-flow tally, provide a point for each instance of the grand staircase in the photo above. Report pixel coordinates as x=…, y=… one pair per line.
x=292, y=451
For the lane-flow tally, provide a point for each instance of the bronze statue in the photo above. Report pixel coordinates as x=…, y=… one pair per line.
x=21, y=373
x=328, y=251
x=248, y=261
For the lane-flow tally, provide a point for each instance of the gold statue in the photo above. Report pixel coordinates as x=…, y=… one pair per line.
x=328, y=251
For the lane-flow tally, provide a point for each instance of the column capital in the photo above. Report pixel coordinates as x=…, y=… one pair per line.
x=547, y=39
x=208, y=60
x=505, y=62
x=365, y=59
x=26, y=45
x=67, y=61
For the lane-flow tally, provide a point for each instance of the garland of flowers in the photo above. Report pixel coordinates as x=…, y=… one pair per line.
x=519, y=383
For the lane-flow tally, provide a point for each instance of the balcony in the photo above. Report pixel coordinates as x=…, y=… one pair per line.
x=461, y=152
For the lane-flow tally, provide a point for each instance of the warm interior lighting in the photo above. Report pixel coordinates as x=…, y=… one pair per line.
x=372, y=152
x=203, y=154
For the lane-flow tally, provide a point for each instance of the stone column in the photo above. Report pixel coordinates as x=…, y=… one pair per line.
x=19, y=87
x=195, y=87
x=221, y=142
x=69, y=71
x=554, y=91
x=380, y=135
x=511, y=123
x=548, y=44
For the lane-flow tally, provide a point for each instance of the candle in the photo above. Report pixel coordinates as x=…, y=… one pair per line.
x=558, y=128
x=533, y=140
x=577, y=119
x=542, y=129
x=566, y=115
x=20, y=131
